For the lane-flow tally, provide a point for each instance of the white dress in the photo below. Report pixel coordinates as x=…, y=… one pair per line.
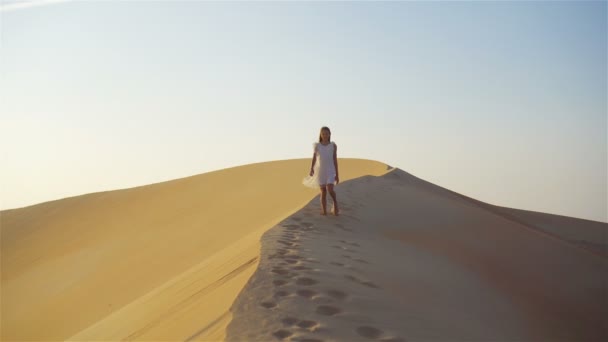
x=325, y=169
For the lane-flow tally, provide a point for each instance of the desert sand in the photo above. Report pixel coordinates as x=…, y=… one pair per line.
x=243, y=254
x=410, y=261
x=163, y=261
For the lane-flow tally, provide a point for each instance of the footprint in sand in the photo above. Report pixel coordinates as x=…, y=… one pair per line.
x=280, y=271
x=312, y=260
x=354, y=269
x=297, y=219
x=279, y=282
x=281, y=293
x=268, y=305
x=306, y=293
x=361, y=282
x=361, y=261
x=352, y=278
x=282, y=334
x=328, y=310
x=306, y=281
x=369, y=332
x=370, y=284
x=336, y=263
x=341, y=226
x=306, y=324
x=301, y=268
x=337, y=294
x=289, y=321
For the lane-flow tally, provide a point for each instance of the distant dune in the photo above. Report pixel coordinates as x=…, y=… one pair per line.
x=242, y=254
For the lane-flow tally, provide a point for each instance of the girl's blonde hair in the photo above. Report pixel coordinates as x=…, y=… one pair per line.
x=321, y=131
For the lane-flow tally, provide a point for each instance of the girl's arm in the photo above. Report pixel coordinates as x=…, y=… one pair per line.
x=314, y=159
x=336, y=158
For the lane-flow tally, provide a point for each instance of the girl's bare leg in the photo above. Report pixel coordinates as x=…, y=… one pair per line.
x=323, y=200
x=332, y=193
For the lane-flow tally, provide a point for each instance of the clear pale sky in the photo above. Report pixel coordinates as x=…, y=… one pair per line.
x=504, y=101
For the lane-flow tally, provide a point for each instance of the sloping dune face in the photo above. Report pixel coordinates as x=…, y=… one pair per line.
x=410, y=261
x=162, y=261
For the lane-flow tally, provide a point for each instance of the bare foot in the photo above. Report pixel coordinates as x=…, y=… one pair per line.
x=323, y=213
x=336, y=211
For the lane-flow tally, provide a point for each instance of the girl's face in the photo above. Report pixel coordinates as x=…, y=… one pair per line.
x=325, y=135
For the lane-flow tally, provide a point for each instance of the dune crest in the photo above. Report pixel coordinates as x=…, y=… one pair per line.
x=243, y=254
x=410, y=261
x=161, y=261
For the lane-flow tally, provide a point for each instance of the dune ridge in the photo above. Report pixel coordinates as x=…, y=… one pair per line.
x=146, y=262
x=411, y=261
x=242, y=254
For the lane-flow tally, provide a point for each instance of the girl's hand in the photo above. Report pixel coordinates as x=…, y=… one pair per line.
x=337, y=179
x=312, y=172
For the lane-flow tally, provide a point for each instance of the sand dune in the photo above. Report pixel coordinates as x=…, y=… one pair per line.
x=407, y=260
x=162, y=261
x=410, y=261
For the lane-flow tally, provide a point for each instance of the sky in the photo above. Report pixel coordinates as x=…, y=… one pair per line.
x=502, y=101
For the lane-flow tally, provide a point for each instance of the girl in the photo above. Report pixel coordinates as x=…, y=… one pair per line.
x=324, y=171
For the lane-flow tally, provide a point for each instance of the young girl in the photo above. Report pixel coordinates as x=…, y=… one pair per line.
x=324, y=169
